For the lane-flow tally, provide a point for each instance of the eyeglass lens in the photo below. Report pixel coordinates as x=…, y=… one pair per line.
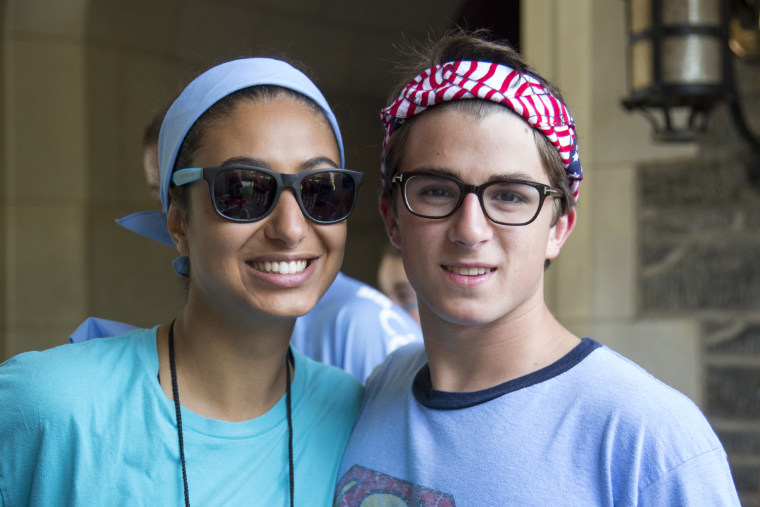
x=506, y=202
x=248, y=194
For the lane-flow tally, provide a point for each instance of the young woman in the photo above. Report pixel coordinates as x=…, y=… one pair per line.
x=212, y=408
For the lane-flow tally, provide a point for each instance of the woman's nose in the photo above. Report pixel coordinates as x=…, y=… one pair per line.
x=287, y=222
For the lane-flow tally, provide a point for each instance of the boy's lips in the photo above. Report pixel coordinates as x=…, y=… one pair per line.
x=469, y=270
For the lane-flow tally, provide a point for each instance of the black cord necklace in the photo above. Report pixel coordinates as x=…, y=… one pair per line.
x=175, y=392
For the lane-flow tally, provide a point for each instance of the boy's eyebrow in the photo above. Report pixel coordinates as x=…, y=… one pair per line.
x=438, y=171
x=512, y=176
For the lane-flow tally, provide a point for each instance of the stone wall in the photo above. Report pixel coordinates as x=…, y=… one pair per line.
x=699, y=257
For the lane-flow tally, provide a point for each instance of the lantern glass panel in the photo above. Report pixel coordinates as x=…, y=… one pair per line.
x=692, y=59
x=691, y=12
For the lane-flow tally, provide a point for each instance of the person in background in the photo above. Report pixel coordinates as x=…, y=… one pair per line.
x=354, y=327
x=213, y=407
x=150, y=155
x=503, y=405
x=392, y=281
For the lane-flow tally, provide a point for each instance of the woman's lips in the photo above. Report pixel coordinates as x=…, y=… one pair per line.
x=281, y=267
x=283, y=273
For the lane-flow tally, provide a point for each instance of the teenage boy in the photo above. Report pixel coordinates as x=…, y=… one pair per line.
x=503, y=405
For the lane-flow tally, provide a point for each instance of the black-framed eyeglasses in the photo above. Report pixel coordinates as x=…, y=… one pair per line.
x=247, y=194
x=504, y=201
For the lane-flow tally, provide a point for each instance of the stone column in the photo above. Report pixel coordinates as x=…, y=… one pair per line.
x=43, y=173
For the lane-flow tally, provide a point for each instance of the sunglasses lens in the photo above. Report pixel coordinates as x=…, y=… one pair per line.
x=328, y=196
x=244, y=194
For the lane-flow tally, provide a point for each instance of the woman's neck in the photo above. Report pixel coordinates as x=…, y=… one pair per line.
x=227, y=370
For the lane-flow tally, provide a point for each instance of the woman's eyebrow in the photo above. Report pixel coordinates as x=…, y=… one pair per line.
x=317, y=161
x=253, y=162
x=303, y=166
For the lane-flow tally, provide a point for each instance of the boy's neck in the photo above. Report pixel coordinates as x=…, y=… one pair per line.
x=472, y=358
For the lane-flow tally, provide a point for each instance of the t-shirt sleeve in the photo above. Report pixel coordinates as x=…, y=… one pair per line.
x=703, y=480
x=21, y=427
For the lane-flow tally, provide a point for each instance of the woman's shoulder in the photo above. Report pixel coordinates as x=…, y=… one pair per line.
x=67, y=371
x=75, y=353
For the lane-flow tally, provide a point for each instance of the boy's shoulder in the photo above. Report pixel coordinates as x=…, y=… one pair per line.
x=398, y=369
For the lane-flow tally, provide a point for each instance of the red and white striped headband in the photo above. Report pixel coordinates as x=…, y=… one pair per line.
x=522, y=93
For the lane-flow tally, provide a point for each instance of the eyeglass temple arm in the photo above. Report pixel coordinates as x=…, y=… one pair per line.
x=185, y=176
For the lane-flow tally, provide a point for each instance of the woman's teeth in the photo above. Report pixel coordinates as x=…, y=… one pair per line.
x=467, y=271
x=284, y=268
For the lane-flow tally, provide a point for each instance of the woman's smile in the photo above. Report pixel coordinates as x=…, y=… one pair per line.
x=281, y=267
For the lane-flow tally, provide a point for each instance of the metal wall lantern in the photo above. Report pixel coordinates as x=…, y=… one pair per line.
x=680, y=62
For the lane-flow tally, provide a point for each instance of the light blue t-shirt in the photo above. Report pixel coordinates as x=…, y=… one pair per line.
x=88, y=424
x=354, y=327
x=592, y=429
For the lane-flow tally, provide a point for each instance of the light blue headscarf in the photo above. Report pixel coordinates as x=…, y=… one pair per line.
x=202, y=93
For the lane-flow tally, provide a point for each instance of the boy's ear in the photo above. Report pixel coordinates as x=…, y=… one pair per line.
x=559, y=233
x=176, y=223
x=389, y=219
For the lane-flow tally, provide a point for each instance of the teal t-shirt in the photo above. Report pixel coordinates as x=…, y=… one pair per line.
x=88, y=424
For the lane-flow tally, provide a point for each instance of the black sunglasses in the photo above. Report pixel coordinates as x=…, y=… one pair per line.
x=248, y=194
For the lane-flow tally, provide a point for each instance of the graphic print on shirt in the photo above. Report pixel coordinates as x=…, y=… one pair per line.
x=363, y=487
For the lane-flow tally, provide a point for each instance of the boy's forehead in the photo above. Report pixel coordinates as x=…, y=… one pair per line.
x=484, y=144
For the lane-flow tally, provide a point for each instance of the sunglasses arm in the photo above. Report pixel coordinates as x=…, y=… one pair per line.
x=185, y=176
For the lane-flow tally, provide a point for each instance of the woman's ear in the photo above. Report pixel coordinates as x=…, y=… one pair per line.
x=559, y=233
x=177, y=225
x=390, y=220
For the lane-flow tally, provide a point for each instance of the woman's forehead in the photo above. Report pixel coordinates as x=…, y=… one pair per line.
x=272, y=133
